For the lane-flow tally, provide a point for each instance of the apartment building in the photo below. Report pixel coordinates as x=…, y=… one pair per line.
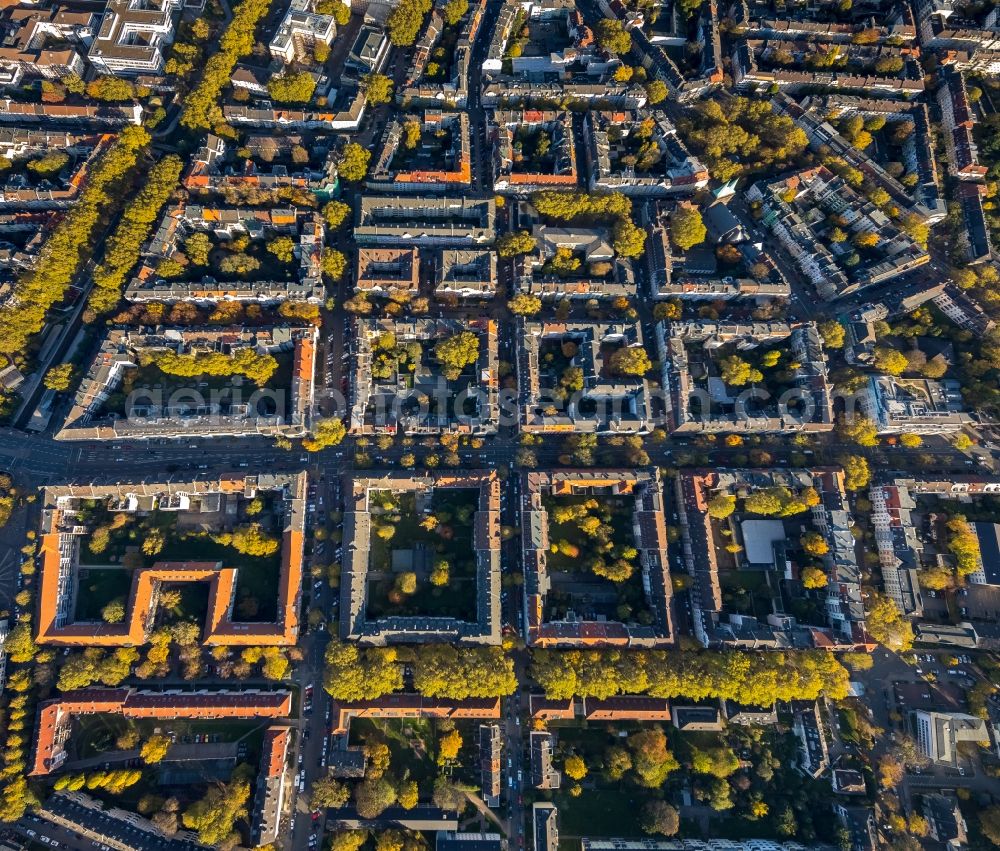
x=47, y=43
x=958, y=120
x=914, y=405
x=581, y=629
x=940, y=733
x=439, y=159
x=55, y=717
x=133, y=37
x=897, y=544
x=62, y=536
x=357, y=624
x=533, y=150
x=639, y=153
x=425, y=221
x=299, y=31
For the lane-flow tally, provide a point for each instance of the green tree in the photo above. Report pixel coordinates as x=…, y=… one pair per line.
x=292, y=87
x=111, y=89
x=963, y=544
x=121, y=250
x=456, y=352
x=283, y=248
x=353, y=161
x=404, y=22
x=68, y=243
x=858, y=429
x=238, y=264
x=325, y=433
x=574, y=767
x=659, y=817
x=814, y=543
x=353, y=673
x=989, y=823
x=687, y=228
x=347, y=840
x=833, y=334
x=59, y=377
x=411, y=134
x=813, y=577
x=656, y=91
x=252, y=540
x=215, y=815
x=652, y=762
x=736, y=372
x=377, y=89
x=717, y=762
x=372, y=797
x=524, y=304
x=20, y=644
x=114, y=611
x=613, y=37
x=49, y=164
x=326, y=792
x=334, y=264
x=408, y=794
x=154, y=749
x=721, y=506
x=628, y=240
x=962, y=441
x=197, y=248
x=441, y=670
x=630, y=360
x=891, y=361
x=448, y=746
x=857, y=473
x=515, y=242
x=201, y=108
x=335, y=213
x=887, y=625
x=454, y=11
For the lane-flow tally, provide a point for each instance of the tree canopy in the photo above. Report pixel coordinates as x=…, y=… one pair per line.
x=613, y=37
x=325, y=433
x=377, y=88
x=121, y=250
x=201, y=107
x=292, y=87
x=515, y=242
x=439, y=670
x=215, y=815
x=60, y=258
x=752, y=678
x=404, y=22
x=741, y=135
x=687, y=228
x=456, y=352
x=352, y=164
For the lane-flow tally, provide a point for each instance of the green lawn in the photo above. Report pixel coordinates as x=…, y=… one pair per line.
x=257, y=577
x=150, y=377
x=599, y=812
x=398, y=734
x=451, y=540
x=95, y=734
x=97, y=588
x=563, y=595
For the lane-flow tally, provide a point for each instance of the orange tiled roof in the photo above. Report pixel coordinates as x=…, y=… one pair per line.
x=55, y=716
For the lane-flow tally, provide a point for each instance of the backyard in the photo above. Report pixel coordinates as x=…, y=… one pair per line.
x=124, y=542
x=187, y=394
x=435, y=575
x=593, y=560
